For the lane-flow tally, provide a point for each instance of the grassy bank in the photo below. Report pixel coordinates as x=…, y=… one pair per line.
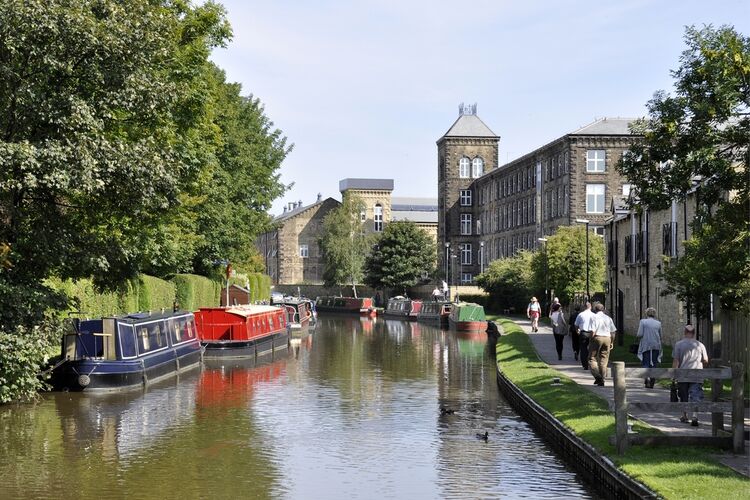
x=673, y=472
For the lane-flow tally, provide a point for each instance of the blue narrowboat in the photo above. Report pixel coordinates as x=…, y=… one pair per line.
x=126, y=352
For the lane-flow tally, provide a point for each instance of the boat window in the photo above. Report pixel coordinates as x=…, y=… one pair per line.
x=145, y=343
x=127, y=340
x=177, y=329
x=156, y=332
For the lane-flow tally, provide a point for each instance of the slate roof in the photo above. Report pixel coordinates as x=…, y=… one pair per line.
x=606, y=126
x=369, y=184
x=469, y=126
x=419, y=216
x=291, y=213
x=413, y=203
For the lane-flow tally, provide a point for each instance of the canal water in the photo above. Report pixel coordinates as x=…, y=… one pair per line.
x=352, y=410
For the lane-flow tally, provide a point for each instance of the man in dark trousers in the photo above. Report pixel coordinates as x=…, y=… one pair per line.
x=585, y=324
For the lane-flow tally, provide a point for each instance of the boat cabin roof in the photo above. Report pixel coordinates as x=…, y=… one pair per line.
x=141, y=317
x=244, y=310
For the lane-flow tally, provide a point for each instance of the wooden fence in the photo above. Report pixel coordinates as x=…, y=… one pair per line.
x=623, y=440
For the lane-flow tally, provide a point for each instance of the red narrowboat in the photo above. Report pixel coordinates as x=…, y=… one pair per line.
x=349, y=305
x=242, y=331
x=402, y=307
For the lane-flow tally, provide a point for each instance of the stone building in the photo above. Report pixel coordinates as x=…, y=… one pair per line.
x=421, y=211
x=291, y=250
x=508, y=208
x=376, y=195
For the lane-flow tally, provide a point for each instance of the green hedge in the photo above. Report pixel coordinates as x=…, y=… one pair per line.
x=155, y=294
x=194, y=291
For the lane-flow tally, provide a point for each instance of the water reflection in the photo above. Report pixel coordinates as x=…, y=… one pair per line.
x=353, y=411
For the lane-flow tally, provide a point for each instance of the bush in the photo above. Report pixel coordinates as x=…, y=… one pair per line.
x=508, y=281
x=193, y=291
x=23, y=353
x=155, y=293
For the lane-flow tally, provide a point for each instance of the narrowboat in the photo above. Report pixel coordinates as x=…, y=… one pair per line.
x=242, y=331
x=467, y=317
x=300, y=312
x=435, y=312
x=403, y=307
x=126, y=352
x=348, y=305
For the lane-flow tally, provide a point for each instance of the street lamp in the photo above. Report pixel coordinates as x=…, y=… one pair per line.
x=586, y=221
x=453, y=271
x=447, y=253
x=546, y=274
x=481, y=257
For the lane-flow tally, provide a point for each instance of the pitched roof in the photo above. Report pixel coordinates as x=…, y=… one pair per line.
x=369, y=184
x=414, y=204
x=418, y=216
x=291, y=213
x=606, y=126
x=469, y=125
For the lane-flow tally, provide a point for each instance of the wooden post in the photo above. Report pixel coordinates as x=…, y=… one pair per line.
x=738, y=408
x=717, y=386
x=621, y=407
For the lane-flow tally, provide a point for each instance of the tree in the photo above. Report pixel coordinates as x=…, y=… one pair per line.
x=402, y=256
x=344, y=244
x=100, y=102
x=697, y=139
x=509, y=281
x=560, y=265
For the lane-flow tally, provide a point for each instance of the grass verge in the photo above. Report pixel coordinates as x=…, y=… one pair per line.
x=672, y=472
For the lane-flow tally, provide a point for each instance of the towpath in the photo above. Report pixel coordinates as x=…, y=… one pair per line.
x=669, y=423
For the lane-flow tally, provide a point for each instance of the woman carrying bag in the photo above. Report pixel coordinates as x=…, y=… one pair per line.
x=559, y=328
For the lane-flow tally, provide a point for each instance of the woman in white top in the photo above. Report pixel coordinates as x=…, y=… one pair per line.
x=559, y=328
x=533, y=311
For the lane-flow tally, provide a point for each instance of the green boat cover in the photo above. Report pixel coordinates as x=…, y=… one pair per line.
x=468, y=311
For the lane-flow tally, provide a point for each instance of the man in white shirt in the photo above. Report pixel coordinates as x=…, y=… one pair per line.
x=585, y=324
x=689, y=353
x=601, y=343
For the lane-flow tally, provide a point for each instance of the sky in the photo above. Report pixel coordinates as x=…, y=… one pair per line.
x=364, y=88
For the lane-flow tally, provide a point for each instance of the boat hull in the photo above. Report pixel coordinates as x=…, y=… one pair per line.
x=249, y=348
x=468, y=326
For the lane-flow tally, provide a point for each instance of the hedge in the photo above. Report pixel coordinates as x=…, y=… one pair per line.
x=194, y=291
x=155, y=294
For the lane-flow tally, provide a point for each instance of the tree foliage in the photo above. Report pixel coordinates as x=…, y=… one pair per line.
x=403, y=255
x=509, y=281
x=345, y=244
x=699, y=136
x=560, y=264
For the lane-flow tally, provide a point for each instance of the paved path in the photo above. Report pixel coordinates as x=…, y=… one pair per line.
x=669, y=423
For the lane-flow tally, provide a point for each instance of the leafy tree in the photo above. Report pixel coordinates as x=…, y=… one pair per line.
x=402, y=256
x=100, y=102
x=509, y=281
x=699, y=137
x=560, y=265
x=345, y=244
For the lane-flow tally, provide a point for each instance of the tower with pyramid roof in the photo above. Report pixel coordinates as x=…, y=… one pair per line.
x=467, y=151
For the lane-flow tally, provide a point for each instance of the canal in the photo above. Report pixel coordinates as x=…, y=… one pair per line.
x=352, y=410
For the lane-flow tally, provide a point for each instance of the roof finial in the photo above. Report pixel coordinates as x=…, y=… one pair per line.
x=467, y=109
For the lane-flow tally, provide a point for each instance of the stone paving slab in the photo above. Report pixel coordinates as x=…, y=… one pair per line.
x=669, y=423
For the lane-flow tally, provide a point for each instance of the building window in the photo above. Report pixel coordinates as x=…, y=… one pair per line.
x=466, y=254
x=465, y=223
x=464, y=170
x=466, y=277
x=378, y=218
x=304, y=252
x=595, y=160
x=595, y=198
x=626, y=190
x=363, y=215
x=465, y=199
x=477, y=167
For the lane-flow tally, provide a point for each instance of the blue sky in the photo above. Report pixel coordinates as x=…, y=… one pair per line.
x=365, y=88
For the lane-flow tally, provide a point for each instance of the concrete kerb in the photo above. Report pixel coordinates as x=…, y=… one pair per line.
x=667, y=423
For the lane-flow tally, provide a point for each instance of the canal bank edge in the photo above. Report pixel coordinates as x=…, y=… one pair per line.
x=598, y=471
x=584, y=425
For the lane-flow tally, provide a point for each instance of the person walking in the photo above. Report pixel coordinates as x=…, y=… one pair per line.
x=533, y=311
x=556, y=300
x=437, y=295
x=445, y=290
x=689, y=353
x=559, y=328
x=574, y=335
x=602, y=342
x=585, y=325
x=649, y=347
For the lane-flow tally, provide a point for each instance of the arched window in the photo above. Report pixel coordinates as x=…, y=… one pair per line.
x=463, y=168
x=378, y=218
x=477, y=167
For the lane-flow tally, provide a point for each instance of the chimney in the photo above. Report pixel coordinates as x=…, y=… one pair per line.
x=320, y=196
x=299, y=203
x=284, y=208
x=289, y=206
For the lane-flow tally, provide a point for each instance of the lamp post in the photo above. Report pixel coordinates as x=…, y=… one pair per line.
x=481, y=257
x=453, y=271
x=586, y=221
x=546, y=273
x=447, y=254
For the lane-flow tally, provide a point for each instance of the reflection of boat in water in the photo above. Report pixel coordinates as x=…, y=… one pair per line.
x=402, y=307
x=435, y=313
x=348, y=305
x=399, y=328
x=229, y=383
x=242, y=331
x=467, y=317
x=126, y=352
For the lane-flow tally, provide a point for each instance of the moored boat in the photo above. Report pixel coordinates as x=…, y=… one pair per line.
x=467, y=317
x=348, y=305
x=242, y=331
x=435, y=312
x=300, y=311
x=126, y=352
x=403, y=307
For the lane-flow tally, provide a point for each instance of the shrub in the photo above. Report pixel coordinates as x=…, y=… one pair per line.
x=509, y=281
x=193, y=291
x=155, y=293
